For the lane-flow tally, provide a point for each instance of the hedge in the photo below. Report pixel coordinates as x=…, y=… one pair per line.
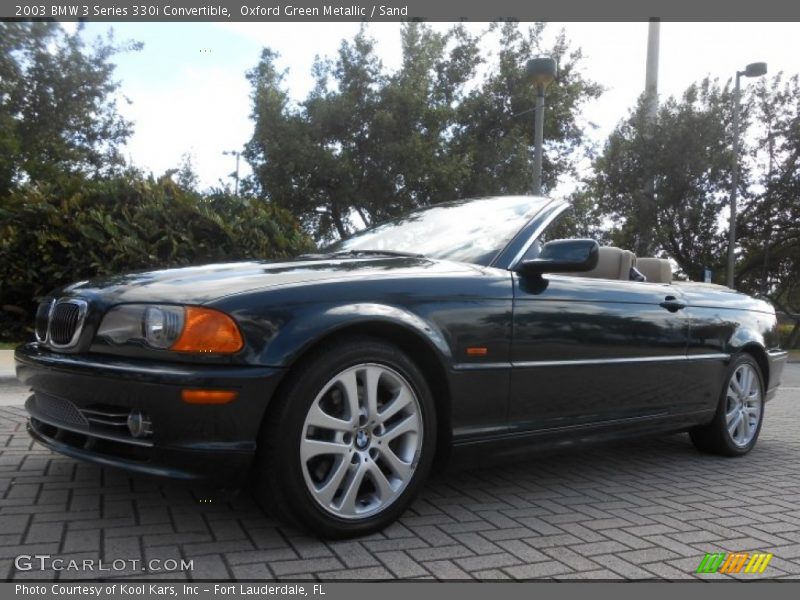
x=50, y=236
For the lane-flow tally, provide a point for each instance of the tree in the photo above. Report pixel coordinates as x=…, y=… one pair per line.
x=185, y=175
x=280, y=151
x=416, y=121
x=363, y=145
x=57, y=111
x=494, y=132
x=366, y=145
x=769, y=230
x=687, y=154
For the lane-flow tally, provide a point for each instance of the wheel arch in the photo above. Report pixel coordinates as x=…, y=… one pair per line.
x=759, y=354
x=420, y=348
x=748, y=338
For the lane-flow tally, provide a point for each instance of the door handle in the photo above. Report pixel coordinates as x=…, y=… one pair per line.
x=672, y=304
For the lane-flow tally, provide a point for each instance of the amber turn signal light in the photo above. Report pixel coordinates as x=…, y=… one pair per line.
x=207, y=330
x=477, y=351
x=208, y=396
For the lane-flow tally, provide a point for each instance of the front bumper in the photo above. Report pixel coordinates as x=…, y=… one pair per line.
x=80, y=404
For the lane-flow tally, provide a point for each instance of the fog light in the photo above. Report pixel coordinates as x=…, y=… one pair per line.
x=139, y=424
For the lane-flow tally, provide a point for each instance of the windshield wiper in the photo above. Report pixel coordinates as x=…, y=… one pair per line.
x=357, y=253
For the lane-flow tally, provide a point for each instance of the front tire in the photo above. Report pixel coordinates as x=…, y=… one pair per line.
x=350, y=440
x=737, y=423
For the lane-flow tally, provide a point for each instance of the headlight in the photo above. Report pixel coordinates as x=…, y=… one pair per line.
x=162, y=325
x=177, y=328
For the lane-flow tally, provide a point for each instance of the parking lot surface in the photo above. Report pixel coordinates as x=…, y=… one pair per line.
x=642, y=509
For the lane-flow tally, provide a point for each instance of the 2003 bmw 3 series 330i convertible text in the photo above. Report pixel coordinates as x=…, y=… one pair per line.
x=331, y=382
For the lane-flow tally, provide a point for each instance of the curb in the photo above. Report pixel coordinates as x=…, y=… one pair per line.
x=7, y=369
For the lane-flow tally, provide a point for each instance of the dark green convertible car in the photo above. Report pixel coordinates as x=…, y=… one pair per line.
x=333, y=382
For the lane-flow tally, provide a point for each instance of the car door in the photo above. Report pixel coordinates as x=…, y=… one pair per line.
x=588, y=350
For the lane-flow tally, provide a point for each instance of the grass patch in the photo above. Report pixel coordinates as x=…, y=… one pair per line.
x=794, y=355
x=9, y=345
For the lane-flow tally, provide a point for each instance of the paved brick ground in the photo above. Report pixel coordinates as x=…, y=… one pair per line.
x=641, y=509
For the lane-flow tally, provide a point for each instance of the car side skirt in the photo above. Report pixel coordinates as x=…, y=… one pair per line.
x=486, y=449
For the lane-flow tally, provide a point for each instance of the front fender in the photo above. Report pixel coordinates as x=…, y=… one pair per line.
x=311, y=323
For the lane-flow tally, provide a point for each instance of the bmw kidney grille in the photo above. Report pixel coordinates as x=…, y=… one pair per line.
x=59, y=323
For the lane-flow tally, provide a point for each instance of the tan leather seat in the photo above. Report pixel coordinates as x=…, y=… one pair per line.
x=612, y=263
x=657, y=270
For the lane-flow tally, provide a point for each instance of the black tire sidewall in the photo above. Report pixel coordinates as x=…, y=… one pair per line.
x=300, y=395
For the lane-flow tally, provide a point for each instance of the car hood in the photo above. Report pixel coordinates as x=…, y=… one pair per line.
x=202, y=284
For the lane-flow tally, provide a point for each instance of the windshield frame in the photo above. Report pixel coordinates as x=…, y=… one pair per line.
x=520, y=236
x=515, y=250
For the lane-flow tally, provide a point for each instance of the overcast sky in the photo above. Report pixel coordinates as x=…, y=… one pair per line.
x=186, y=90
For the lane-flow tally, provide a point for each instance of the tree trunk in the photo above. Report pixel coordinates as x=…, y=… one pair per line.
x=337, y=222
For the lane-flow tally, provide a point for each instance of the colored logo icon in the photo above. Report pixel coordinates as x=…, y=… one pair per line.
x=734, y=562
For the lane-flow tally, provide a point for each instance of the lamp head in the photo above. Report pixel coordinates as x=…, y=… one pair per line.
x=542, y=70
x=756, y=69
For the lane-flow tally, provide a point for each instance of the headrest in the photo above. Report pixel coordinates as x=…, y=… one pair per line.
x=612, y=263
x=657, y=270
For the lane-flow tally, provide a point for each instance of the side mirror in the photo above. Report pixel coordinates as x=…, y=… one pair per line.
x=562, y=256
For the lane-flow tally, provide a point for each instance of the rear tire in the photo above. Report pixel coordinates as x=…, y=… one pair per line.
x=349, y=441
x=737, y=422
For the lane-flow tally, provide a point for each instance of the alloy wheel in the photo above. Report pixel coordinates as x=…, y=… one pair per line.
x=361, y=441
x=744, y=403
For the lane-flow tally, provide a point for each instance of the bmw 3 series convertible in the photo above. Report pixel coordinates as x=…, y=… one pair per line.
x=333, y=382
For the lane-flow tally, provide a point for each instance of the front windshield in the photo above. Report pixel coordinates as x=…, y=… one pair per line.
x=472, y=231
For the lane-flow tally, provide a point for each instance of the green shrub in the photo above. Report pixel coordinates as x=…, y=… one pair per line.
x=50, y=236
x=785, y=331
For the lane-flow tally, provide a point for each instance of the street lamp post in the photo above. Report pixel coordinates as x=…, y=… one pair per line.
x=235, y=174
x=542, y=72
x=752, y=70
